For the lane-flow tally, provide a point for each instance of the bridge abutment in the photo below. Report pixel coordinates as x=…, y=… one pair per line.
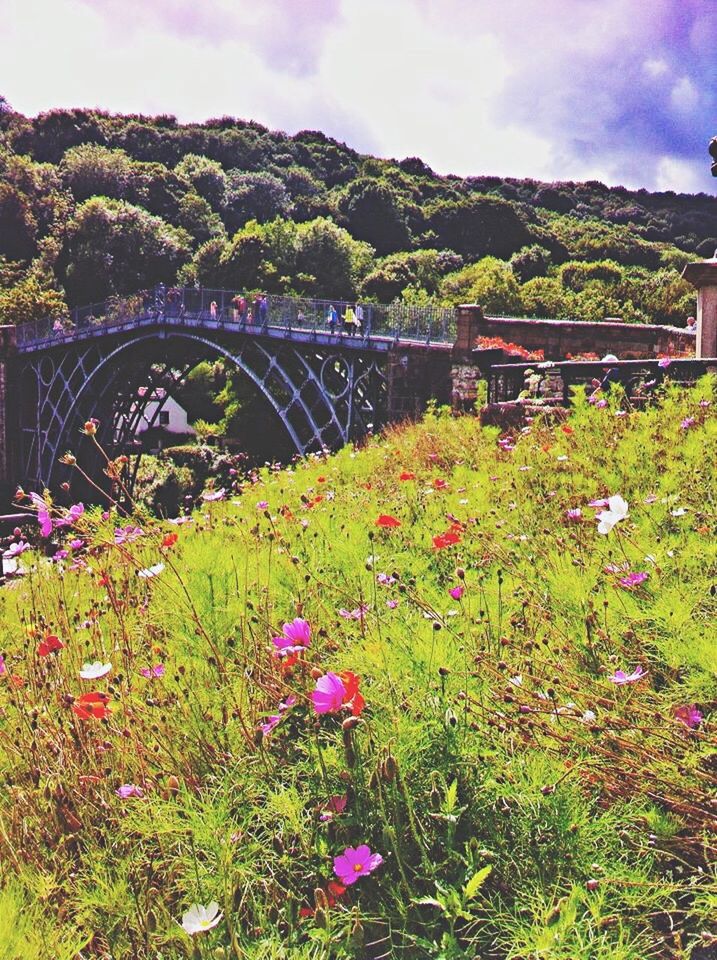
x=9, y=414
x=415, y=375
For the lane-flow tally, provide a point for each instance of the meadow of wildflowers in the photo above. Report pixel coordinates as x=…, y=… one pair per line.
x=448, y=696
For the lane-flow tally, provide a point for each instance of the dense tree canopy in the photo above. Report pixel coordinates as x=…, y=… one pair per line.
x=93, y=203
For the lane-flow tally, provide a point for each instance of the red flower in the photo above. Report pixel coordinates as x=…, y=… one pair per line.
x=439, y=484
x=446, y=539
x=407, y=475
x=321, y=479
x=170, y=539
x=92, y=705
x=567, y=430
x=368, y=486
x=49, y=645
x=352, y=697
x=385, y=520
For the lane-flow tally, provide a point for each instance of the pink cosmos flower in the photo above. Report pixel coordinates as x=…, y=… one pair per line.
x=328, y=697
x=575, y=513
x=335, y=807
x=73, y=514
x=43, y=514
x=178, y=521
x=704, y=403
x=128, y=534
x=385, y=579
x=262, y=505
x=275, y=718
x=392, y=604
x=650, y=498
x=601, y=404
x=77, y=544
x=15, y=549
x=616, y=567
x=687, y=423
x=689, y=715
x=357, y=613
x=633, y=579
x=296, y=637
x=129, y=790
x=602, y=502
x=211, y=496
x=2, y=665
x=620, y=678
x=664, y=362
x=356, y=862
x=153, y=672
x=456, y=592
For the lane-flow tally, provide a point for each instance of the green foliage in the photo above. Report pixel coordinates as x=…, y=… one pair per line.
x=253, y=196
x=420, y=269
x=477, y=226
x=373, y=212
x=489, y=282
x=523, y=804
x=32, y=296
x=332, y=262
x=114, y=247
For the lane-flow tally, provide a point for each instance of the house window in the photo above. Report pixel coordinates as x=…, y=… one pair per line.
x=164, y=418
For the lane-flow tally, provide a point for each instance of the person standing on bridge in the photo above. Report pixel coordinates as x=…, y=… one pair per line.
x=358, y=313
x=213, y=309
x=332, y=319
x=263, y=309
x=350, y=320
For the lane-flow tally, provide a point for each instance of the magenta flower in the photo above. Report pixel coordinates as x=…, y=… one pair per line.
x=211, y=496
x=385, y=579
x=601, y=404
x=73, y=514
x=77, y=544
x=153, y=672
x=2, y=665
x=330, y=693
x=127, y=534
x=457, y=592
x=356, y=862
x=335, y=806
x=633, y=579
x=664, y=363
x=598, y=503
x=296, y=636
x=687, y=423
x=129, y=790
x=262, y=505
x=689, y=715
x=620, y=678
x=357, y=613
x=574, y=514
x=15, y=549
x=275, y=718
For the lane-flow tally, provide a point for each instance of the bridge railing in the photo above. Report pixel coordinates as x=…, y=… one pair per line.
x=554, y=382
x=219, y=308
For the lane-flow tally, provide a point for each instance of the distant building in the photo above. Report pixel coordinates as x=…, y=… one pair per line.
x=162, y=417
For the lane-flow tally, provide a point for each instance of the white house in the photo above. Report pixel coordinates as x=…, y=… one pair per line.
x=162, y=411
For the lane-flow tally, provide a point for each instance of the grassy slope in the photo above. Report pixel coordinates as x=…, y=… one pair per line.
x=474, y=749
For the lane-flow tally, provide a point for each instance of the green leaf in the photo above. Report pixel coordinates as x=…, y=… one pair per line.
x=429, y=902
x=476, y=882
x=451, y=797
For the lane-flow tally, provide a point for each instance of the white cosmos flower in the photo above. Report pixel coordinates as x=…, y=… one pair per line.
x=151, y=571
x=199, y=918
x=93, y=671
x=617, y=510
x=679, y=512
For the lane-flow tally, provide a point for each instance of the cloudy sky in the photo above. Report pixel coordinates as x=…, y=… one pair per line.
x=623, y=91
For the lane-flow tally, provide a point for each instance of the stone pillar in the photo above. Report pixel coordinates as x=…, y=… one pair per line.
x=703, y=275
x=8, y=416
x=469, y=319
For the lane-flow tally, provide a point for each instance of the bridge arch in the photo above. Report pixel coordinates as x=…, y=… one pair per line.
x=321, y=396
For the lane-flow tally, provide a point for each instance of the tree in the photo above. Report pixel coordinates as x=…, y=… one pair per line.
x=92, y=170
x=32, y=297
x=372, y=211
x=206, y=176
x=18, y=226
x=420, y=269
x=112, y=247
x=253, y=196
x=478, y=225
x=489, y=282
x=331, y=261
x=529, y=262
x=199, y=220
x=261, y=256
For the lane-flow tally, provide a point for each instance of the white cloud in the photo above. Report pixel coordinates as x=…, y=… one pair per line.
x=684, y=96
x=655, y=68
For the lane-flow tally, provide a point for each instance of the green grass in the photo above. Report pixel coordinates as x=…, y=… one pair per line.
x=525, y=807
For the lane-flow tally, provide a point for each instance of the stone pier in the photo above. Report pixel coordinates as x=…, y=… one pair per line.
x=703, y=275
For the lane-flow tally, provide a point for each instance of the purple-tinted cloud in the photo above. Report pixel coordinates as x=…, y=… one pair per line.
x=287, y=33
x=619, y=85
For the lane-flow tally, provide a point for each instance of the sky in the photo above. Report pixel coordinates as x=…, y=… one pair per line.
x=623, y=91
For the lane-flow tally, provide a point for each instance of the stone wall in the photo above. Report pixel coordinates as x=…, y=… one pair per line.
x=558, y=338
